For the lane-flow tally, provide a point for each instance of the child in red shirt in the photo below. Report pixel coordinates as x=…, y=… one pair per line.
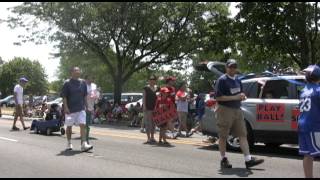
x=164, y=111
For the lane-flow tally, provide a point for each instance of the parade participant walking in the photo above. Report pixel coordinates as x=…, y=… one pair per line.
x=18, y=99
x=309, y=122
x=91, y=99
x=229, y=95
x=74, y=93
x=149, y=102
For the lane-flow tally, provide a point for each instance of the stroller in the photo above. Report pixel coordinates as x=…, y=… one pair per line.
x=54, y=122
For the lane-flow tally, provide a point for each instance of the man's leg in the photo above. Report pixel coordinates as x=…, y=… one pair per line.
x=308, y=166
x=69, y=133
x=88, y=122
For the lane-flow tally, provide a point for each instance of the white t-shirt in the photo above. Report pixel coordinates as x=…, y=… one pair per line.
x=182, y=106
x=19, y=90
x=92, y=95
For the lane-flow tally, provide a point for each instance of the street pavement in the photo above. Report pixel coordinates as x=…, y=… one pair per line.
x=119, y=152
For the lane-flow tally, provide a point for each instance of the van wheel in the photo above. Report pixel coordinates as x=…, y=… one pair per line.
x=233, y=143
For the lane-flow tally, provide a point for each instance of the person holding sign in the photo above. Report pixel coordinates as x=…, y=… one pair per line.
x=229, y=116
x=309, y=122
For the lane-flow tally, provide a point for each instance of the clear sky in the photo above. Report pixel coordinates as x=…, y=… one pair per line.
x=29, y=50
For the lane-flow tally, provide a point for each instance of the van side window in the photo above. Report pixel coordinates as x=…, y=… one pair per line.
x=276, y=89
x=250, y=89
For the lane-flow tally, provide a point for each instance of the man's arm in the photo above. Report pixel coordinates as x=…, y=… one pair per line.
x=66, y=109
x=15, y=97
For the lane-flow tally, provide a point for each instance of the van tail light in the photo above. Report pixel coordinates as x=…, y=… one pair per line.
x=211, y=103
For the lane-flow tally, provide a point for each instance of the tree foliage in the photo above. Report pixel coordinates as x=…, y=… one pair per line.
x=287, y=30
x=141, y=34
x=11, y=72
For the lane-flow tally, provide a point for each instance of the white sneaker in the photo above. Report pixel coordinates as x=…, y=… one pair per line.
x=86, y=147
x=69, y=147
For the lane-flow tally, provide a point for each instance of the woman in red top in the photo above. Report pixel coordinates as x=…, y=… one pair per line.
x=163, y=113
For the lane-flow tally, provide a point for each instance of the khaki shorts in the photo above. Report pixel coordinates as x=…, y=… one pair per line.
x=230, y=120
x=147, y=120
x=183, y=117
x=19, y=111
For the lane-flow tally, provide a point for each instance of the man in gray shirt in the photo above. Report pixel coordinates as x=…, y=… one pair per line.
x=74, y=93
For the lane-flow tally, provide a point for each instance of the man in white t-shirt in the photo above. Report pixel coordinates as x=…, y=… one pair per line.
x=18, y=98
x=92, y=96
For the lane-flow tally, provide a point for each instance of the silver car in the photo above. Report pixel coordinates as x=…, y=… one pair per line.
x=270, y=111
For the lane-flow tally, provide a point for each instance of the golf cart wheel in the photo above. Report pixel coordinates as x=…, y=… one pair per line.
x=36, y=130
x=63, y=131
x=49, y=132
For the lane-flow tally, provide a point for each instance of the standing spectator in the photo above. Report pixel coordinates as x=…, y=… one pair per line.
x=74, y=93
x=182, y=108
x=149, y=103
x=229, y=95
x=18, y=98
x=91, y=99
x=309, y=122
x=170, y=82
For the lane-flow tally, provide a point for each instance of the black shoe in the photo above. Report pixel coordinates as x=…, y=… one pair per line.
x=253, y=162
x=225, y=164
x=14, y=128
x=26, y=128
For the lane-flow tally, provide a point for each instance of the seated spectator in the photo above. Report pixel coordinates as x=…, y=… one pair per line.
x=117, y=112
x=53, y=113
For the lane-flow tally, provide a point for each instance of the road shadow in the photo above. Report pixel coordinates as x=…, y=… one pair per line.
x=79, y=138
x=115, y=126
x=69, y=153
x=160, y=145
x=262, y=150
x=240, y=172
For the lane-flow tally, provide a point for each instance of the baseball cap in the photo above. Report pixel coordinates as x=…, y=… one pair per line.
x=24, y=79
x=231, y=62
x=314, y=70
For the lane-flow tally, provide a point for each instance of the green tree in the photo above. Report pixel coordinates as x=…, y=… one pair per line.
x=11, y=72
x=287, y=29
x=141, y=34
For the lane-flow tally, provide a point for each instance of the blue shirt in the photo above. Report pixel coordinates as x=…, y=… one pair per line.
x=75, y=91
x=225, y=86
x=309, y=108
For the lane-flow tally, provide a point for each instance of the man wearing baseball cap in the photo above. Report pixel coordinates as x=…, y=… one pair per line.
x=309, y=122
x=18, y=98
x=229, y=115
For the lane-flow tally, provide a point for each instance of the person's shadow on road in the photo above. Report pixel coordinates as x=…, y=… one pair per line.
x=69, y=153
x=240, y=172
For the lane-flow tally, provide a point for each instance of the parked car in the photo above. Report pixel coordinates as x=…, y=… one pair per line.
x=134, y=103
x=270, y=111
x=7, y=102
x=125, y=97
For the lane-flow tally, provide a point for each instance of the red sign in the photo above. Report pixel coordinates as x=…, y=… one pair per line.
x=294, y=119
x=270, y=112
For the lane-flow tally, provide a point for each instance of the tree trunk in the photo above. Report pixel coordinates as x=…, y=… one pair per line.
x=118, y=85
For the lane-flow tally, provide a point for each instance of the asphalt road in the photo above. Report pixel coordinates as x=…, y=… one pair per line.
x=120, y=152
